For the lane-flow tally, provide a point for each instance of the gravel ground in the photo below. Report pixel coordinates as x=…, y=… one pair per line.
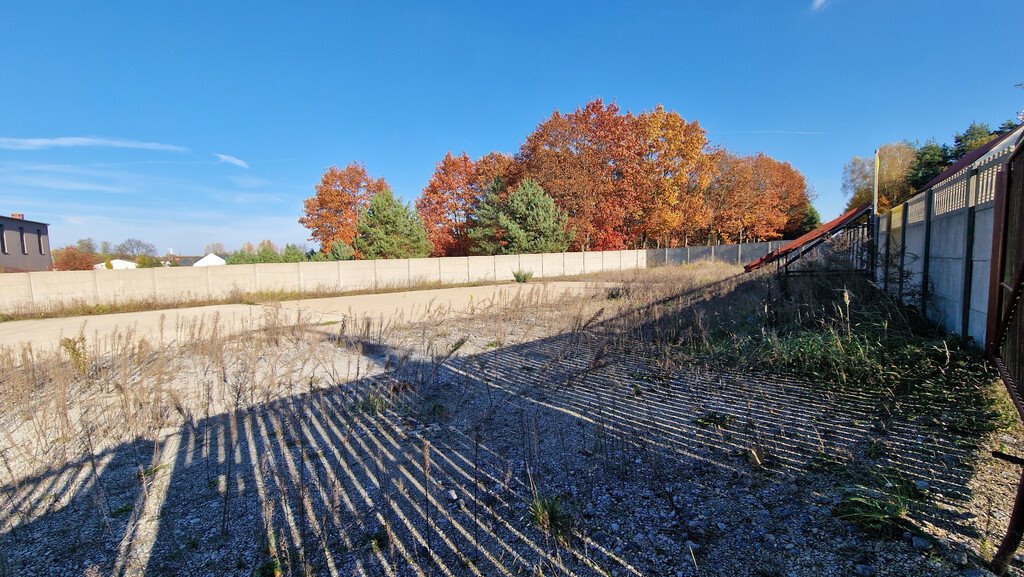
x=502, y=445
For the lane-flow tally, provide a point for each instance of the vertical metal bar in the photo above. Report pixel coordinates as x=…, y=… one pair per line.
x=965, y=293
x=873, y=243
x=997, y=264
x=1001, y=560
x=929, y=199
x=888, y=251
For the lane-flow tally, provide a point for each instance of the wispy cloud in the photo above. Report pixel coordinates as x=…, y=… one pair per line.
x=8, y=143
x=818, y=4
x=231, y=160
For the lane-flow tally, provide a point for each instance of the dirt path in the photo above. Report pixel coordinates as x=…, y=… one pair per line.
x=45, y=334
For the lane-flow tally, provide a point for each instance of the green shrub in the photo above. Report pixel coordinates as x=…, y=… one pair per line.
x=522, y=276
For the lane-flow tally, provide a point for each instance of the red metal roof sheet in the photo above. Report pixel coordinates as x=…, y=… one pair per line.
x=823, y=230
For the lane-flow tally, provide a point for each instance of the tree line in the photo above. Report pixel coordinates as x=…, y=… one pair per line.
x=597, y=178
x=905, y=167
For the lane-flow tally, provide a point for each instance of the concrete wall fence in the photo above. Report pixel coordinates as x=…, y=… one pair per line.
x=27, y=291
x=935, y=249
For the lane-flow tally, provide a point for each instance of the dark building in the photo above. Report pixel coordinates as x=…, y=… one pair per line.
x=24, y=244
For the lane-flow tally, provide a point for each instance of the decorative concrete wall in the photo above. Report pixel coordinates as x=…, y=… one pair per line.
x=935, y=249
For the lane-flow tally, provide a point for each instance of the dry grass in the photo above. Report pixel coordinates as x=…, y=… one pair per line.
x=445, y=446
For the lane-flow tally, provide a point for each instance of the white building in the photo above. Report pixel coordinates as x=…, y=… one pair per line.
x=210, y=260
x=116, y=264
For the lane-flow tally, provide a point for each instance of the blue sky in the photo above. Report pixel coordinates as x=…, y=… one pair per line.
x=188, y=123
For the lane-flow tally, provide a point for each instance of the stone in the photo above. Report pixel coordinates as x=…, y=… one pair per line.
x=864, y=570
x=920, y=543
x=922, y=486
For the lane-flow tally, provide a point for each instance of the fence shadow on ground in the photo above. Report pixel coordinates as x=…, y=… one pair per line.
x=431, y=469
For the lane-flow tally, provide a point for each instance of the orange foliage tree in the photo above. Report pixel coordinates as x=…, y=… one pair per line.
x=73, y=258
x=752, y=198
x=452, y=194
x=446, y=204
x=789, y=185
x=589, y=162
x=677, y=168
x=330, y=214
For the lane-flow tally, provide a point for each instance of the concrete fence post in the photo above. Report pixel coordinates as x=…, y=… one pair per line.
x=153, y=280
x=903, y=248
x=340, y=277
x=298, y=271
x=95, y=287
x=929, y=200
x=32, y=289
x=209, y=283
x=965, y=298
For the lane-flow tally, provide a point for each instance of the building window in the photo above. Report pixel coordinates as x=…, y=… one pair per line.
x=39, y=239
x=21, y=233
x=3, y=239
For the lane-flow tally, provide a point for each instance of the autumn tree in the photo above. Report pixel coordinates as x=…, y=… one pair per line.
x=676, y=168
x=446, y=204
x=895, y=161
x=589, y=161
x=331, y=213
x=527, y=222
x=389, y=229
x=73, y=258
x=779, y=187
x=450, y=197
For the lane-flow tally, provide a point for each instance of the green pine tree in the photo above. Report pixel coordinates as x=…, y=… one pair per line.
x=932, y=158
x=389, y=229
x=977, y=133
x=528, y=222
x=292, y=253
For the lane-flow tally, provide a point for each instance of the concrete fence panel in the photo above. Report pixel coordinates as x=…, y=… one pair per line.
x=593, y=262
x=574, y=263
x=319, y=276
x=481, y=268
x=118, y=286
x=223, y=280
x=51, y=288
x=424, y=270
x=729, y=253
x=532, y=263
x=453, y=269
x=15, y=292
x=505, y=265
x=700, y=253
x=277, y=277
x=392, y=273
x=178, y=284
x=357, y=274
x=553, y=264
